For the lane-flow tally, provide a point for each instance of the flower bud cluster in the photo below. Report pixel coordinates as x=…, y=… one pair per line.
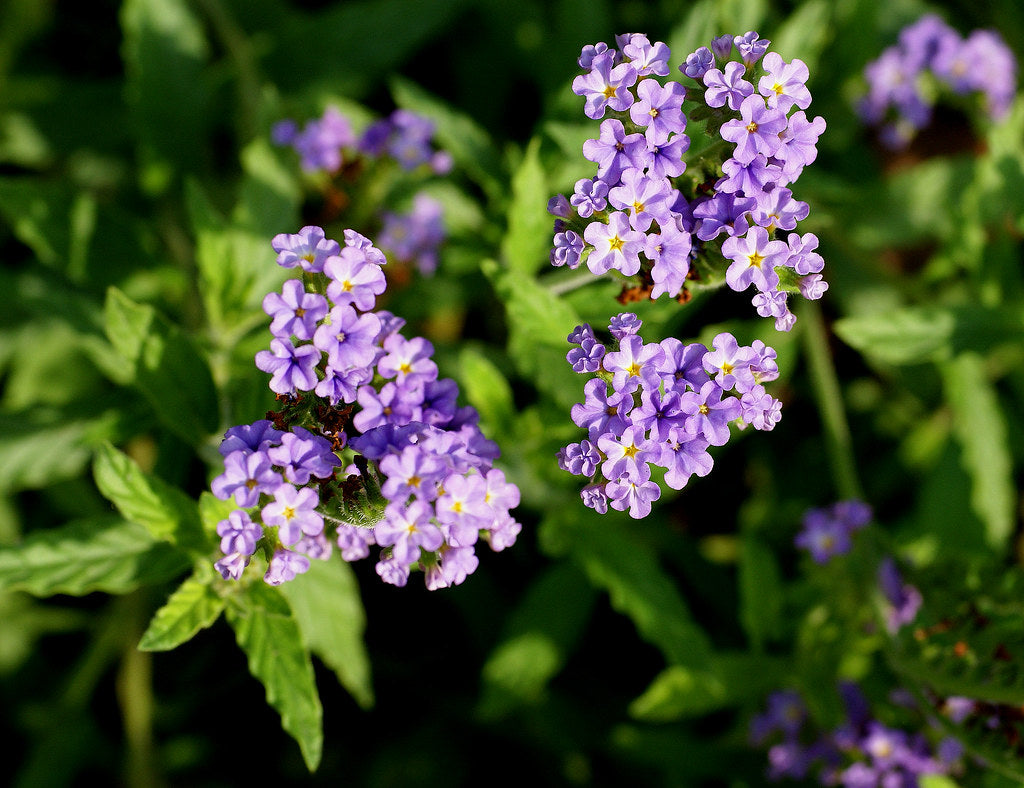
x=931, y=57
x=329, y=144
x=418, y=478
x=640, y=217
x=829, y=532
x=659, y=404
x=861, y=752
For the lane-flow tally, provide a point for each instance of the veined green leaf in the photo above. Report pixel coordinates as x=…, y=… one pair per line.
x=487, y=390
x=980, y=426
x=194, y=606
x=165, y=511
x=99, y=554
x=167, y=369
x=527, y=240
x=273, y=643
x=326, y=604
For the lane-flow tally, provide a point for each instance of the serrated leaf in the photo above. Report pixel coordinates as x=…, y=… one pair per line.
x=165, y=511
x=168, y=370
x=538, y=640
x=100, y=554
x=487, y=390
x=328, y=609
x=527, y=240
x=980, y=427
x=458, y=134
x=194, y=606
x=273, y=644
x=916, y=335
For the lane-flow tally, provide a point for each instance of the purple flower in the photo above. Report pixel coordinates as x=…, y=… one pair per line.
x=246, y=476
x=294, y=513
x=669, y=251
x=624, y=324
x=294, y=311
x=231, y=566
x=682, y=456
x=724, y=211
x=407, y=360
x=903, y=600
x=285, y=566
x=413, y=472
x=353, y=279
x=634, y=359
x=601, y=411
x=699, y=63
x=416, y=236
x=722, y=47
x=730, y=363
x=644, y=198
x=348, y=338
x=614, y=150
x=605, y=85
x=238, y=534
x=250, y=437
x=645, y=57
x=627, y=455
x=709, y=413
x=728, y=87
x=354, y=542
x=659, y=108
x=590, y=51
x=637, y=496
x=303, y=454
x=784, y=84
x=292, y=368
x=750, y=47
x=824, y=536
x=567, y=249
x=407, y=529
x=664, y=156
x=799, y=144
x=590, y=195
x=756, y=132
x=754, y=259
x=393, y=404
x=778, y=210
x=615, y=244
x=308, y=248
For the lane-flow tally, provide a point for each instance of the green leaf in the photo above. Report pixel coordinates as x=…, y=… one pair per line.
x=805, y=33
x=98, y=554
x=166, y=367
x=270, y=637
x=165, y=51
x=637, y=586
x=538, y=640
x=696, y=30
x=487, y=390
x=42, y=446
x=326, y=604
x=760, y=591
x=194, y=606
x=538, y=324
x=678, y=691
x=914, y=335
x=235, y=262
x=980, y=426
x=470, y=146
x=270, y=195
x=212, y=510
x=527, y=241
x=142, y=498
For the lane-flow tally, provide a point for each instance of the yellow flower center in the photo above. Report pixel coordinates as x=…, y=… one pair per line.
x=346, y=286
x=633, y=370
x=288, y=513
x=779, y=90
x=704, y=410
x=755, y=259
x=638, y=207
x=630, y=451
x=609, y=91
x=752, y=127
x=615, y=244
x=413, y=481
x=300, y=312
x=404, y=368
x=727, y=368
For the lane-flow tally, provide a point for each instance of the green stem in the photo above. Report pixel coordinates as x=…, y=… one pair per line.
x=578, y=279
x=135, y=697
x=828, y=396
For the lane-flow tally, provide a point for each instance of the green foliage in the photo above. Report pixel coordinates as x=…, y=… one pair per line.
x=96, y=554
x=194, y=606
x=273, y=643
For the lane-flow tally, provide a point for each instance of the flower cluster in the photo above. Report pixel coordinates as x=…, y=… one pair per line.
x=931, y=57
x=418, y=479
x=329, y=144
x=862, y=753
x=733, y=217
x=659, y=404
x=829, y=532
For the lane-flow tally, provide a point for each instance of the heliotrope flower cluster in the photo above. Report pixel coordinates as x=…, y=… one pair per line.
x=659, y=404
x=829, y=532
x=861, y=753
x=929, y=59
x=330, y=145
x=732, y=217
x=356, y=394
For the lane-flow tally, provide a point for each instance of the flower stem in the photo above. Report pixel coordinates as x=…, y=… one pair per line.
x=828, y=396
x=568, y=284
